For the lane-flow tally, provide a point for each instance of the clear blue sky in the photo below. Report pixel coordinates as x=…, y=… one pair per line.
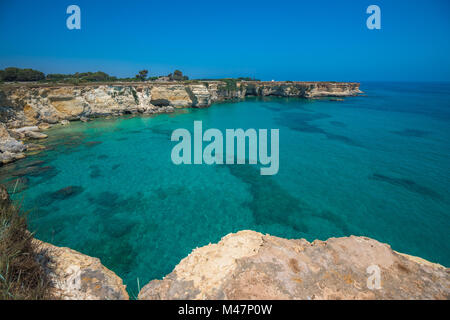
x=282, y=40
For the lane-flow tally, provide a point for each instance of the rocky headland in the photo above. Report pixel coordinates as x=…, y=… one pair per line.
x=28, y=109
x=250, y=265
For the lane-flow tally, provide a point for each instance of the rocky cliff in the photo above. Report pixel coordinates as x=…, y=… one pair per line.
x=30, y=105
x=250, y=265
x=25, y=110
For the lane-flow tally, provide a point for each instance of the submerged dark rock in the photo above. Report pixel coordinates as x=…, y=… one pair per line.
x=289, y=211
x=302, y=122
x=48, y=175
x=95, y=172
x=338, y=124
x=34, y=147
x=341, y=138
x=32, y=171
x=407, y=184
x=412, y=133
x=67, y=192
x=34, y=163
x=92, y=143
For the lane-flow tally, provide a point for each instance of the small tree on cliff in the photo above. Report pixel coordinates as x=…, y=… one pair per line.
x=142, y=75
x=178, y=76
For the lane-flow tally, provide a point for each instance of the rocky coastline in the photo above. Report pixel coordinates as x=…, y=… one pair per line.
x=243, y=265
x=28, y=109
x=250, y=265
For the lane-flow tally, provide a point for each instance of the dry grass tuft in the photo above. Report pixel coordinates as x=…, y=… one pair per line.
x=21, y=276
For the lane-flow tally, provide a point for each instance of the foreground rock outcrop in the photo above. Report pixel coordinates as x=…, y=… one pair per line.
x=75, y=276
x=249, y=265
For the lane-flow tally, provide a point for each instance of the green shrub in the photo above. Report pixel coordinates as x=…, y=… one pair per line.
x=142, y=75
x=17, y=74
x=177, y=75
x=231, y=84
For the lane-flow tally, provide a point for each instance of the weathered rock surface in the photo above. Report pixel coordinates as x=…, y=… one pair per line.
x=75, y=276
x=26, y=129
x=35, y=135
x=249, y=265
x=11, y=149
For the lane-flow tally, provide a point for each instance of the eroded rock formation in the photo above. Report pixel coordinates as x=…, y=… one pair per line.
x=250, y=265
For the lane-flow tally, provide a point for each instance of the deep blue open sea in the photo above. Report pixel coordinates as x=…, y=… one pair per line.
x=376, y=165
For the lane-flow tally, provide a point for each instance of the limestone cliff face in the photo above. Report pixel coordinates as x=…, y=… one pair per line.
x=27, y=105
x=300, y=89
x=22, y=106
x=249, y=265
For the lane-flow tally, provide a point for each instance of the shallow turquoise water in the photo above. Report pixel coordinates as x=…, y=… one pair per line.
x=375, y=165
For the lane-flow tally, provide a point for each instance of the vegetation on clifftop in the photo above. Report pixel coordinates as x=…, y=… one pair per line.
x=13, y=74
x=16, y=74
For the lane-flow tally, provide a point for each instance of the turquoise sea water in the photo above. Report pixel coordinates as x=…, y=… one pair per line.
x=375, y=165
